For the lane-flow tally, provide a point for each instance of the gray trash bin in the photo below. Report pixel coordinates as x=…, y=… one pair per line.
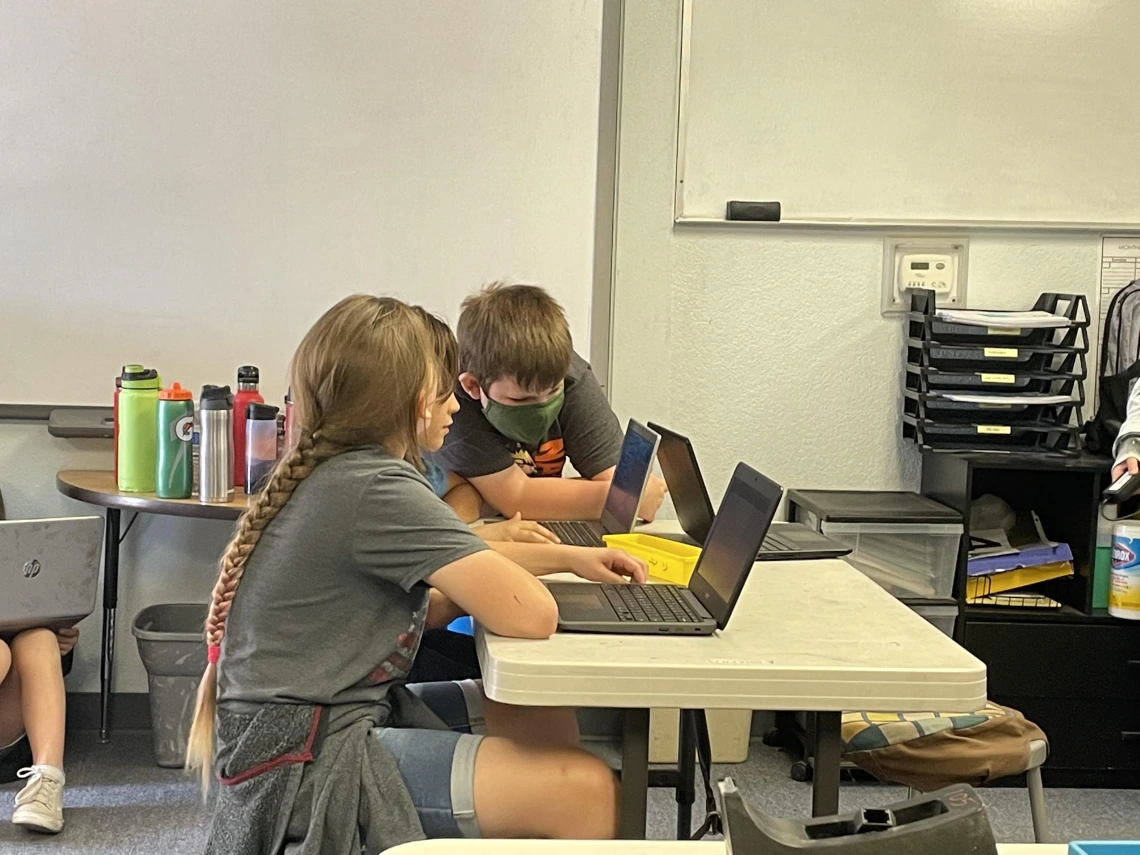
x=172, y=645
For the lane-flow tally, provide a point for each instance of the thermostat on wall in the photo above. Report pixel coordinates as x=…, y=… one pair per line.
x=933, y=264
x=932, y=271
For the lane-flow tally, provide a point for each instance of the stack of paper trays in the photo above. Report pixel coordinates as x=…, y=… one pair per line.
x=997, y=381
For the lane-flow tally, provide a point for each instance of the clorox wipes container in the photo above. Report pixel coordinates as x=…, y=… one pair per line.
x=1124, y=586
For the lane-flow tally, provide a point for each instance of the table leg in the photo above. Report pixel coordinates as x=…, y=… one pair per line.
x=686, y=769
x=110, y=603
x=828, y=753
x=634, y=774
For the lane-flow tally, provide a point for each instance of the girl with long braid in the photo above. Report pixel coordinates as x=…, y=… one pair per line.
x=341, y=562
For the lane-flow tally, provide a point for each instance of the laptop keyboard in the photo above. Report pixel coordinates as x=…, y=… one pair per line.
x=574, y=533
x=773, y=543
x=651, y=604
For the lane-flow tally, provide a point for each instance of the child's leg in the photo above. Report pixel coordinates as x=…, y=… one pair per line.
x=35, y=656
x=527, y=791
x=470, y=786
x=464, y=708
x=554, y=727
x=11, y=716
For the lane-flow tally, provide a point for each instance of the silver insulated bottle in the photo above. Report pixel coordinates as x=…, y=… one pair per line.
x=216, y=445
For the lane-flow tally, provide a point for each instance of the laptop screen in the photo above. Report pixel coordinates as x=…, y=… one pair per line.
x=745, y=514
x=686, y=486
x=634, y=463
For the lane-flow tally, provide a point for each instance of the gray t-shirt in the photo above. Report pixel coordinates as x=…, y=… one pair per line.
x=586, y=431
x=331, y=607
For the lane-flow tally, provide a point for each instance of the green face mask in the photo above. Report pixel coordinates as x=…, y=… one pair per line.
x=525, y=423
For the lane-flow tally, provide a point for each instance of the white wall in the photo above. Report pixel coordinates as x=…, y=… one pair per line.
x=766, y=346
x=186, y=175
x=470, y=74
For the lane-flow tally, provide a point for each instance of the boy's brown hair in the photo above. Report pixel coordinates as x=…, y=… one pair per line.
x=515, y=331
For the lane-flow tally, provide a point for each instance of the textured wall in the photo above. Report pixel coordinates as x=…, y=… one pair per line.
x=769, y=346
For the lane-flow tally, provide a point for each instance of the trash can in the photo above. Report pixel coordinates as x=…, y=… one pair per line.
x=172, y=646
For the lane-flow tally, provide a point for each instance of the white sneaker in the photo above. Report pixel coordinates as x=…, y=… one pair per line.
x=39, y=806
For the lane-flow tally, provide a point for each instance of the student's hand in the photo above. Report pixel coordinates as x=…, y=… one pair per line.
x=605, y=565
x=66, y=638
x=1130, y=465
x=655, y=490
x=518, y=530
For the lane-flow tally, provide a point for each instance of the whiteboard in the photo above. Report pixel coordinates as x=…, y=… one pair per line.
x=940, y=112
x=189, y=185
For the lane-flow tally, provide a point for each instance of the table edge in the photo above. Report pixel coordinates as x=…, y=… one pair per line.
x=142, y=504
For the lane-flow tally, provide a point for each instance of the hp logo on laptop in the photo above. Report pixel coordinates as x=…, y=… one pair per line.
x=32, y=569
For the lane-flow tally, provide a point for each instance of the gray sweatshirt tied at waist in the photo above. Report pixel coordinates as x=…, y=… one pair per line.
x=311, y=780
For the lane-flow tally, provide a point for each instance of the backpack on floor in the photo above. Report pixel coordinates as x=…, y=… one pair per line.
x=1119, y=367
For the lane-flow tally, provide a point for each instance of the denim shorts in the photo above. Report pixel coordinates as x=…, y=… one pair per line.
x=438, y=766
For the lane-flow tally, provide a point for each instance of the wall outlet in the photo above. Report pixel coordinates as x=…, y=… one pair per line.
x=937, y=264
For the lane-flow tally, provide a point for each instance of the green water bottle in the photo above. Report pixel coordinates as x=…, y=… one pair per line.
x=138, y=409
x=174, y=464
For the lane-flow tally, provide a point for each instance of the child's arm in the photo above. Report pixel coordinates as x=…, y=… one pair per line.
x=463, y=498
x=510, y=491
x=593, y=565
x=498, y=593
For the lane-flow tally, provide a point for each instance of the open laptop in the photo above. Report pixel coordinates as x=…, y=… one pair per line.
x=49, y=571
x=624, y=498
x=785, y=541
x=747, y=510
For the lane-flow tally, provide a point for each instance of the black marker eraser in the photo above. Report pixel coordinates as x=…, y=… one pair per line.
x=763, y=212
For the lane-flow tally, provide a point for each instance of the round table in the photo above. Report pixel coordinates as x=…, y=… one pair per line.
x=98, y=487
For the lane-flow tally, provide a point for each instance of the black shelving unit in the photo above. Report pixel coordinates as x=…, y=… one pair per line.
x=1074, y=671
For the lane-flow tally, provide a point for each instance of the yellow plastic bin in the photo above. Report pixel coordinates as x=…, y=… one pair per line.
x=729, y=730
x=667, y=560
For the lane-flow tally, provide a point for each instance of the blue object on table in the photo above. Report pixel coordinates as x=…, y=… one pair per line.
x=464, y=626
x=1105, y=847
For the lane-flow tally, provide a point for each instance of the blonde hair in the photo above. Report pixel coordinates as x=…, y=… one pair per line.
x=358, y=379
x=515, y=331
x=446, y=350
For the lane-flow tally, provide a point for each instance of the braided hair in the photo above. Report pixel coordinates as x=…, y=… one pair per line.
x=359, y=378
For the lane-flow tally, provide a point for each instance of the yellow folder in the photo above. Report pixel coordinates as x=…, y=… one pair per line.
x=978, y=587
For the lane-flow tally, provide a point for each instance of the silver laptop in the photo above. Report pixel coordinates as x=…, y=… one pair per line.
x=704, y=606
x=49, y=571
x=624, y=498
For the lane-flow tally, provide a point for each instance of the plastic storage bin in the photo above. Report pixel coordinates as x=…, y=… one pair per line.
x=905, y=542
x=942, y=615
x=729, y=733
x=172, y=646
x=667, y=560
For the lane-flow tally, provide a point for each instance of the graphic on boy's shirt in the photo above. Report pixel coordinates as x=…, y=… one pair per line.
x=399, y=662
x=547, y=462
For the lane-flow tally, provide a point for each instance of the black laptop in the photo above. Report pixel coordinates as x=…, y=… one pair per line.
x=747, y=510
x=784, y=541
x=624, y=498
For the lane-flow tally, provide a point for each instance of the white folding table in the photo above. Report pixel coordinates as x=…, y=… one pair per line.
x=810, y=636
x=625, y=847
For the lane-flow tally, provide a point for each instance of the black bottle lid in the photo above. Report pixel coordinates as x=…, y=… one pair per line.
x=216, y=398
x=145, y=374
x=248, y=374
x=260, y=412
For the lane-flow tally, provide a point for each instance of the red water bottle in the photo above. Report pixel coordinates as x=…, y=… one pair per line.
x=248, y=378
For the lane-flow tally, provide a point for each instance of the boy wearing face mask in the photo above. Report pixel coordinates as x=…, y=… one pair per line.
x=528, y=403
